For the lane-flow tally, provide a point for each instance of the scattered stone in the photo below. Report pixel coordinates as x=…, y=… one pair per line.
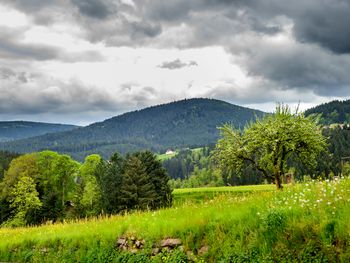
x=155, y=251
x=122, y=241
x=139, y=243
x=203, y=250
x=171, y=242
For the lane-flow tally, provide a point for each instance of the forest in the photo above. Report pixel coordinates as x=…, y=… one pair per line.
x=186, y=123
x=47, y=186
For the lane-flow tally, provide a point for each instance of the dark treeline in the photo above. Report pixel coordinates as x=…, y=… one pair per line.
x=5, y=160
x=332, y=112
x=47, y=186
x=185, y=161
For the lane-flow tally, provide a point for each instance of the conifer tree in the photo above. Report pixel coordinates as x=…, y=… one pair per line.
x=137, y=191
x=158, y=177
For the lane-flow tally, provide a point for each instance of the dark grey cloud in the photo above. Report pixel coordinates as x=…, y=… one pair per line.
x=327, y=24
x=9, y=74
x=42, y=94
x=298, y=46
x=177, y=64
x=13, y=47
x=99, y=9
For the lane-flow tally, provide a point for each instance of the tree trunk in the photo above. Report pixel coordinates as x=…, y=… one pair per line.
x=278, y=179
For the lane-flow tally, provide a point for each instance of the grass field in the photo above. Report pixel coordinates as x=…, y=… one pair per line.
x=303, y=223
x=164, y=156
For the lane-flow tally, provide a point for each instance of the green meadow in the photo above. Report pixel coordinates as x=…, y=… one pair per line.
x=306, y=222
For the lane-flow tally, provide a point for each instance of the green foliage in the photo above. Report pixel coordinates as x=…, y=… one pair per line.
x=53, y=179
x=109, y=179
x=270, y=142
x=23, y=197
x=179, y=124
x=88, y=193
x=5, y=160
x=183, y=164
x=200, y=178
x=332, y=112
x=137, y=191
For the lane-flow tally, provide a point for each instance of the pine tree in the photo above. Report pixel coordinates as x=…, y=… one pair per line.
x=158, y=178
x=137, y=191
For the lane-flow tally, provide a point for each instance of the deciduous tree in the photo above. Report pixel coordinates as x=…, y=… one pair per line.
x=269, y=142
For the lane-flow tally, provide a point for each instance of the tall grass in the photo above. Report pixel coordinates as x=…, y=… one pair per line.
x=304, y=223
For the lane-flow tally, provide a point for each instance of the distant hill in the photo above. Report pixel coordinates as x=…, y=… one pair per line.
x=332, y=112
x=14, y=130
x=186, y=123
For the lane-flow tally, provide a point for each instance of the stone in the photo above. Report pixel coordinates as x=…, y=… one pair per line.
x=203, y=250
x=122, y=243
x=139, y=243
x=170, y=242
x=155, y=251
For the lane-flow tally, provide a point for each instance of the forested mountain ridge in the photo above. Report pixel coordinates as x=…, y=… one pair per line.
x=332, y=112
x=184, y=123
x=14, y=130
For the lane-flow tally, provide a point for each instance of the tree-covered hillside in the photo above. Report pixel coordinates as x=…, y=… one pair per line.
x=14, y=130
x=332, y=112
x=185, y=123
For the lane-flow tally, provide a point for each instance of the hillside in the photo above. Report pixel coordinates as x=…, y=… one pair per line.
x=14, y=130
x=304, y=223
x=178, y=124
x=332, y=112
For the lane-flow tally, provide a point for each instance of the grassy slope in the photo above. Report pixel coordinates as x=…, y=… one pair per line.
x=307, y=223
x=165, y=156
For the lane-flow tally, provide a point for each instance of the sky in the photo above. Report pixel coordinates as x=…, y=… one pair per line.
x=81, y=61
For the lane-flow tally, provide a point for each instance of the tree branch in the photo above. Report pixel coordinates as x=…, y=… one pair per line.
x=258, y=167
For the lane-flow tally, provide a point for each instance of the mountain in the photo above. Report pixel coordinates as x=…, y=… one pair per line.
x=332, y=112
x=14, y=130
x=185, y=123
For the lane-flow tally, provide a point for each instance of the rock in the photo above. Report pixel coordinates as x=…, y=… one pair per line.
x=170, y=242
x=155, y=251
x=122, y=241
x=139, y=243
x=203, y=250
x=133, y=238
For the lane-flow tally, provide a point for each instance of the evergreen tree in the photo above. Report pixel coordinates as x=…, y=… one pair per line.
x=158, y=177
x=137, y=190
x=109, y=177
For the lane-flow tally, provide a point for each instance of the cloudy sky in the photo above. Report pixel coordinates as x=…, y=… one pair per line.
x=80, y=61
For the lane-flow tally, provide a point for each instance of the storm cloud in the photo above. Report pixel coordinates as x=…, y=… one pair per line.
x=282, y=49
